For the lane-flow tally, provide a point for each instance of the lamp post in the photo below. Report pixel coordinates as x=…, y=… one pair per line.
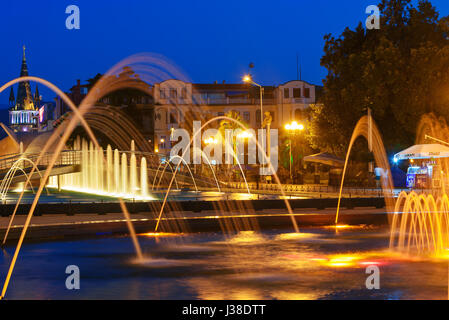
x=248, y=79
x=292, y=128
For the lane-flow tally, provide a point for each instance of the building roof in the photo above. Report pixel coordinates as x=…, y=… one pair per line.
x=220, y=86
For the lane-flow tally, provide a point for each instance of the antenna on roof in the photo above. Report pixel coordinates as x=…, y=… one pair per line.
x=298, y=68
x=250, y=66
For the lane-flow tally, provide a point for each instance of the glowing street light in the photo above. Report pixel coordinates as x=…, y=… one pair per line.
x=210, y=140
x=248, y=79
x=245, y=135
x=294, y=126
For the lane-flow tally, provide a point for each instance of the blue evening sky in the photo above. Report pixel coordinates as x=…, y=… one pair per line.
x=208, y=39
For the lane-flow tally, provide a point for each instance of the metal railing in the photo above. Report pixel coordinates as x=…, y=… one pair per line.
x=67, y=157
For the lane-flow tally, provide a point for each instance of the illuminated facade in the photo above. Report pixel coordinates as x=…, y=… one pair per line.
x=174, y=99
x=24, y=111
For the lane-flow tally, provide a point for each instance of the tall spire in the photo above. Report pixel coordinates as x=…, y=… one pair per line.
x=24, y=96
x=37, y=98
x=12, y=98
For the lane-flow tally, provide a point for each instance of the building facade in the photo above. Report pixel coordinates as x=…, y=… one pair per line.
x=173, y=103
x=174, y=99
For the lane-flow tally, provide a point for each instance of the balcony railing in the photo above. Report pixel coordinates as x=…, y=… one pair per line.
x=295, y=100
x=173, y=101
x=231, y=101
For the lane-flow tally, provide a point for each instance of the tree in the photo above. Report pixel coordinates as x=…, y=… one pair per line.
x=399, y=71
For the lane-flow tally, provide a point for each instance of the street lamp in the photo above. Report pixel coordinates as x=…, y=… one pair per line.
x=292, y=128
x=248, y=79
x=210, y=140
x=244, y=135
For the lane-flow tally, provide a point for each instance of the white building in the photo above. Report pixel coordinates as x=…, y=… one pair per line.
x=174, y=99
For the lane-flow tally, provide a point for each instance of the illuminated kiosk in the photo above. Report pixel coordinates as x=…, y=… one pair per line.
x=423, y=171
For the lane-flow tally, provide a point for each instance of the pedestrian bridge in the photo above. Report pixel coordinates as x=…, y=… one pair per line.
x=118, y=165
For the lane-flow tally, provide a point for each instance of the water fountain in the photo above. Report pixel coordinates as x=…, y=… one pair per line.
x=91, y=154
x=120, y=173
x=420, y=224
x=106, y=173
x=422, y=227
x=63, y=133
x=167, y=164
x=367, y=128
x=266, y=160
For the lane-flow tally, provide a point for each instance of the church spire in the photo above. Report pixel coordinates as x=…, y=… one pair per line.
x=24, y=96
x=37, y=98
x=12, y=98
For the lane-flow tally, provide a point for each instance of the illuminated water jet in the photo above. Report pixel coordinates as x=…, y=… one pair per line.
x=367, y=128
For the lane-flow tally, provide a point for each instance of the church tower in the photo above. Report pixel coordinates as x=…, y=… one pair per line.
x=24, y=99
x=23, y=112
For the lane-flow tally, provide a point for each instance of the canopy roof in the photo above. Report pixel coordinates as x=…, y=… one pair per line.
x=325, y=158
x=423, y=151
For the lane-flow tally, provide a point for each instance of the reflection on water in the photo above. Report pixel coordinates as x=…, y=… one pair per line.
x=55, y=196
x=320, y=264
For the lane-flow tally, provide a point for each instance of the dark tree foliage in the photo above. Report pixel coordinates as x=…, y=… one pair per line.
x=400, y=71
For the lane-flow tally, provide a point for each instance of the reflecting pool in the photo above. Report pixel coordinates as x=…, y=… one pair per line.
x=320, y=263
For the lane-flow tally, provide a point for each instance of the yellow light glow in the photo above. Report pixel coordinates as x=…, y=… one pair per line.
x=244, y=135
x=294, y=126
x=246, y=78
x=340, y=261
x=156, y=150
x=344, y=226
x=104, y=193
x=210, y=141
x=162, y=140
x=293, y=236
x=160, y=234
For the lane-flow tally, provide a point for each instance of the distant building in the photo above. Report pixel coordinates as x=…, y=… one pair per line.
x=172, y=101
x=76, y=94
x=135, y=102
x=24, y=110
